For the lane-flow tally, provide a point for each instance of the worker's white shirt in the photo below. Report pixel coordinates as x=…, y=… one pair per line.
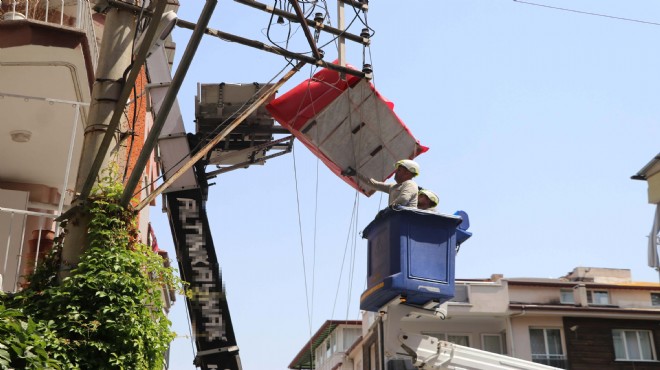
x=403, y=194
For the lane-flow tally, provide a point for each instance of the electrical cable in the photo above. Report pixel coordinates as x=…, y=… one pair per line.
x=364, y=22
x=353, y=254
x=191, y=335
x=289, y=34
x=334, y=39
x=310, y=307
x=587, y=13
x=364, y=288
x=357, y=148
x=343, y=260
x=316, y=207
x=311, y=11
x=354, y=216
x=270, y=23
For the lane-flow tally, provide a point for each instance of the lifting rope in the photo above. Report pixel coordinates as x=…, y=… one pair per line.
x=302, y=244
x=352, y=231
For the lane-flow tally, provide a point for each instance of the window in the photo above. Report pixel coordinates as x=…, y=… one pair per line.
x=350, y=335
x=460, y=339
x=370, y=357
x=330, y=345
x=655, y=299
x=319, y=355
x=547, y=347
x=632, y=345
x=492, y=343
x=598, y=297
x=441, y=336
x=566, y=296
x=373, y=364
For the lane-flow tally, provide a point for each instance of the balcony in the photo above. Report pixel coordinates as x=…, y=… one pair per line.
x=58, y=14
x=26, y=237
x=558, y=361
x=48, y=55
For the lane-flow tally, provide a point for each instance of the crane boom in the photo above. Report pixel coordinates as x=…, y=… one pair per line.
x=198, y=263
x=429, y=353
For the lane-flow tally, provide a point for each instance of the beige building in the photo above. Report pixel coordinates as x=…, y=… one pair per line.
x=592, y=318
x=49, y=53
x=330, y=346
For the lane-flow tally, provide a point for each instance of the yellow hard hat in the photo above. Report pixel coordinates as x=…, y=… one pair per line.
x=431, y=195
x=408, y=164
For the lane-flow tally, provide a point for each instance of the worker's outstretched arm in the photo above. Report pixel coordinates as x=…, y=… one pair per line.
x=363, y=180
x=380, y=186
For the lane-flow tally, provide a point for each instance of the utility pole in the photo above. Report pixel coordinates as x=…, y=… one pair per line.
x=114, y=59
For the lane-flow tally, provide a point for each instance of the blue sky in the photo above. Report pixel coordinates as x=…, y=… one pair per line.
x=536, y=119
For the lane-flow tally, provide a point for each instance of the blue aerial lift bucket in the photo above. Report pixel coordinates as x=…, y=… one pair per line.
x=411, y=254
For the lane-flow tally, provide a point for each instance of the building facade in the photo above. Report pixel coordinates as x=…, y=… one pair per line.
x=49, y=53
x=329, y=347
x=591, y=318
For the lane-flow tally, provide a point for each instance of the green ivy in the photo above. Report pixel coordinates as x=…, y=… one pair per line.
x=108, y=314
x=25, y=342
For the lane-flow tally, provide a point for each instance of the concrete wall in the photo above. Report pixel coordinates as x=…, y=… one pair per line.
x=488, y=297
x=631, y=298
x=534, y=294
x=600, y=275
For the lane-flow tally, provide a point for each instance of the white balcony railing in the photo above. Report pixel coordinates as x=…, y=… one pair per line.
x=22, y=251
x=69, y=13
x=26, y=233
x=558, y=361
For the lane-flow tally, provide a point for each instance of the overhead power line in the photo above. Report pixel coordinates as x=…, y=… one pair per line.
x=587, y=13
